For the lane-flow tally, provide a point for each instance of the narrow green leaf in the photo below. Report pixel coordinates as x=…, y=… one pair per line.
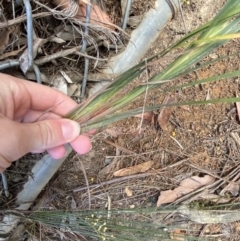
x=208, y=80
x=109, y=119
x=99, y=103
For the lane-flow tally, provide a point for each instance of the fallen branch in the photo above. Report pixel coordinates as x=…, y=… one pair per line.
x=64, y=53
x=22, y=19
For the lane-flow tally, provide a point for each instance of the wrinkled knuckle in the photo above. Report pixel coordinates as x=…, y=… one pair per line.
x=46, y=135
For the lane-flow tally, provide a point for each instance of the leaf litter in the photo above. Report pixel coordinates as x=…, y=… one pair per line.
x=186, y=186
x=165, y=113
x=140, y=168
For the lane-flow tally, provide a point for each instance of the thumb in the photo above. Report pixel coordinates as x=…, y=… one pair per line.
x=51, y=133
x=42, y=135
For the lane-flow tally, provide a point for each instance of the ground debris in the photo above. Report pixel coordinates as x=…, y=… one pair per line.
x=186, y=186
x=134, y=169
x=209, y=216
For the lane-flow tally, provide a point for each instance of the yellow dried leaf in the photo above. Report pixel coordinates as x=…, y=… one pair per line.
x=133, y=170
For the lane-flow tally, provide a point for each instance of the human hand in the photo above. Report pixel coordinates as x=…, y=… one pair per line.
x=21, y=104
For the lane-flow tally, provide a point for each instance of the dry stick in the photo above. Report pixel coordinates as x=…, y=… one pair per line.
x=189, y=195
x=235, y=136
x=231, y=182
x=227, y=178
x=175, y=164
x=63, y=53
x=145, y=98
x=155, y=172
x=86, y=179
x=182, y=16
x=125, y=150
x=115, y=180
x=177, y=142
x=130, y=155
x=22, y=19
x=203, y=230
x=211, y=174
x=206, y=171
x=197, y=195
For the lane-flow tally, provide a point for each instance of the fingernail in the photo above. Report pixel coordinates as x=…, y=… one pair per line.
x=70, y=129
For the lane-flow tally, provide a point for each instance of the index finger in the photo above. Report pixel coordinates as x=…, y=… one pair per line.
x=44, y=98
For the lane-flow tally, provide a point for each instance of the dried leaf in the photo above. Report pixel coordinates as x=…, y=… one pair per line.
x=233, y=188
x=133, y=170
x=195, y=182
x=186, y=186
x=66, y=77
x=57, y=40
x=146, y=116
x=98, y=16
x=60, y=84
x=128, y=191
x=164, y=116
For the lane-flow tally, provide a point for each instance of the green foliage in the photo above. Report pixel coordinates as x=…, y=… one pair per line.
x=134, y=224
x=114, y=225
x=98, y=110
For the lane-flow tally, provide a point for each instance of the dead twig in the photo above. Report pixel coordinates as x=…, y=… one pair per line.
x=64, y=53
x=145, y=96
x=86, y=179
x=115, y=180
x=124, y=149
x=13, y=53
x=155, y=172
x=22, y=19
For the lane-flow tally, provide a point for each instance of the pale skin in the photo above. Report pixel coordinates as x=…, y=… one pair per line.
x=26, y=127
